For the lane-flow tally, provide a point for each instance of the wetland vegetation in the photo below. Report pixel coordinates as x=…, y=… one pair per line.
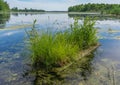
x=59, y=48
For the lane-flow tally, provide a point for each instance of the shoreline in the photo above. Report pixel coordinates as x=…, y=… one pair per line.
x=63, y=12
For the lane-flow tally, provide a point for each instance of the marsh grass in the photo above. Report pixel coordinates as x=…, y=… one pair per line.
x=84, y=35
x=59, y=48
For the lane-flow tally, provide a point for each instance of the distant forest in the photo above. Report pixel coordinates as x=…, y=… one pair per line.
x=4, y=6
x=15, y=9
x=103, y=8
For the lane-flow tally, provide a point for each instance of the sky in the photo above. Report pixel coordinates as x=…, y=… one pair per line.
x=54, y=5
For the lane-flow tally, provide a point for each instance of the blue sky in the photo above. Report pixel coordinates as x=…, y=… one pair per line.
x=54, y=4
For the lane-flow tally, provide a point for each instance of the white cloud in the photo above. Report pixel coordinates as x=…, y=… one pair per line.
x=39, y=5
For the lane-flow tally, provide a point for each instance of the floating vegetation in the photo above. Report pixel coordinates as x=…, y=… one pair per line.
x=113, y=31
x=16, y=27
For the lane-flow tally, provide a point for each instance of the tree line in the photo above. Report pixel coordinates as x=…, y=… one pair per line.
x=4, y=6
x=15, y=9
x=103, y=8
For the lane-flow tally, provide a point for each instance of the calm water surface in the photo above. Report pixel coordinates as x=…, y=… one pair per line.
x=101, y=68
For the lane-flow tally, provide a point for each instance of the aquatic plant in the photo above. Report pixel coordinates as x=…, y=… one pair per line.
x=89, y=32
x=84, y=35
x=57, y=49
x=50, y=49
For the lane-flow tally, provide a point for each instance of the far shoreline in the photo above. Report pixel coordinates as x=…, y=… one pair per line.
x=61, y=12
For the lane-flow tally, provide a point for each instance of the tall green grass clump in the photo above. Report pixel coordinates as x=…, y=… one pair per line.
x=84, y=35
x=61, y=48
x=89, y=32
x=50, y=49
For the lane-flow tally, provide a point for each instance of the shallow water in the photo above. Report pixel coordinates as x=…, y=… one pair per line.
x=99, y=68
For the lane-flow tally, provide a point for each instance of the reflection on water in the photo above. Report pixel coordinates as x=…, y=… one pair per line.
x=28, y=13
x=101, y=67
x=15, y=14
x=12, y=58
x=106, y=64
x=79, y=71
x=98, y=16
x=3, y=19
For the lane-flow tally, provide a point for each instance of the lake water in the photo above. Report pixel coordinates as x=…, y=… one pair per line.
x=101, y=68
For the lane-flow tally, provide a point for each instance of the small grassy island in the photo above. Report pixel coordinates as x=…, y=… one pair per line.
x=59, y=49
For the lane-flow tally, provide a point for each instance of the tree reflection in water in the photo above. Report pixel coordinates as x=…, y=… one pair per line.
x=4, y=17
